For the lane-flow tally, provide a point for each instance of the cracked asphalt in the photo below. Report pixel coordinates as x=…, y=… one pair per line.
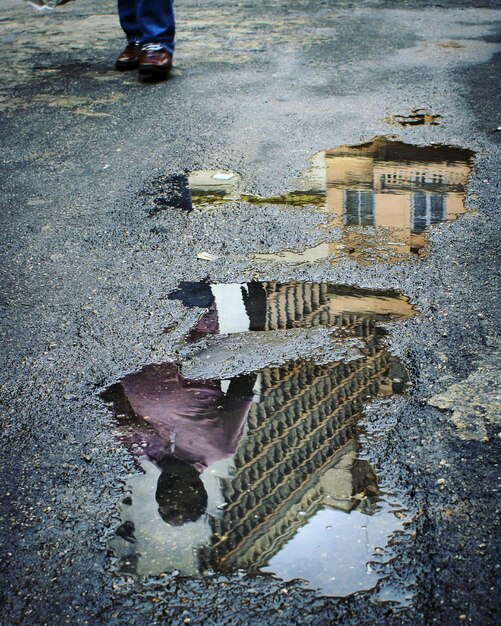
x=258, y=88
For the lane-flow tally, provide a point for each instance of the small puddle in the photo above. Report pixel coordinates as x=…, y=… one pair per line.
x=380, y=198
x=383, y=196
x=262, y=472
x=212, y=186
x=417, y=117
x=264, y=306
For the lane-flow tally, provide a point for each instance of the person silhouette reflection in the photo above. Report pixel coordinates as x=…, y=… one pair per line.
x=180, y=493
x=183, y=426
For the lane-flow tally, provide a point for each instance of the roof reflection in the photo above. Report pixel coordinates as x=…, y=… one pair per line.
x=268, y=306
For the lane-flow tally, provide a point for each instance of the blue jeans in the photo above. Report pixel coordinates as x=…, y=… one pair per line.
x=148, y=21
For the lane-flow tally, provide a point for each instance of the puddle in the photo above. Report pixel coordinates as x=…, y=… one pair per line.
x=384, y=196
x=417, y=117
x=264, y=306
x=211, y=186
x=243, y=473
x=262, y=472
x=380, y=198
x=196, y=188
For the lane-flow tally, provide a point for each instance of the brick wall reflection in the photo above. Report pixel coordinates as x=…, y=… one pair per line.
x=299, y=453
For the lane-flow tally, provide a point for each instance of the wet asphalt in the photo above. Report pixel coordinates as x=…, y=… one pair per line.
x=86, y=271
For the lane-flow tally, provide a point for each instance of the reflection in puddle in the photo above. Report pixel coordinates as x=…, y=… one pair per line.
x=385, y=195
x=333, y=534
x=211, y=186
x=382, y=196
x=186, y=190
x=418, y=117
x=259, y=472
x=262, y=306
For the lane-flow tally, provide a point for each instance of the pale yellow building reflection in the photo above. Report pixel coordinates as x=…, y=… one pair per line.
x=382, y=196
x=395, y=186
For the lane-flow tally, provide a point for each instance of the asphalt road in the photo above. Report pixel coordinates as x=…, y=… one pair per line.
x=258, y=88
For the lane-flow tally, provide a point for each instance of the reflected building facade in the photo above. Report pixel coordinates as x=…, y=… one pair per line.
x=309, y=305
x=383, y=196
x=299, y=455
x=273, y=306
x=393, y=185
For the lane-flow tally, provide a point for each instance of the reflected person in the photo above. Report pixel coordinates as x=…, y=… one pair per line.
x=183, y=426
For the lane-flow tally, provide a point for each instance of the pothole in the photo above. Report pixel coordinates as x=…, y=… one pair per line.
x=263, y=472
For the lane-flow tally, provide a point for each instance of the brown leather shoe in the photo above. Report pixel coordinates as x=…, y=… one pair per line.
x=155, y=63
x=129, y=58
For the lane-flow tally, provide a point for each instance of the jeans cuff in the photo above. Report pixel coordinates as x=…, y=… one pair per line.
x=166, y=45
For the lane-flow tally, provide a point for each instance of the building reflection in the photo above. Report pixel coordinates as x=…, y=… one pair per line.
x=299, y=455
x=253, y=459
x=269, y=306
x=383, y=196
x=392, y=185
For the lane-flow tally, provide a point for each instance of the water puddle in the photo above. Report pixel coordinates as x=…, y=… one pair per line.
x=383, y=196
x=417, y=117
x=380, y=198
x=211, y=186
x=262, y=472
x=264, y=306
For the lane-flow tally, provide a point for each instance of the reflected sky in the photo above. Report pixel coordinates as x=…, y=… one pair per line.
x=338, y=554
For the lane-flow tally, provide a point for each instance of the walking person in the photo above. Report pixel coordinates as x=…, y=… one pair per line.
x=149, y=26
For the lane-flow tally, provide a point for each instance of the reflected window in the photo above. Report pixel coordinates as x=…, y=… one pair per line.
x=427, y=208
x=359, y=207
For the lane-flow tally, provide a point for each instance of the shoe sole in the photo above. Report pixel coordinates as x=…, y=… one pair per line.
x=124, y=66
x=153, y=73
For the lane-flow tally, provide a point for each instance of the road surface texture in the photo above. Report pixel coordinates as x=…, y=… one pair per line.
x=258, y=88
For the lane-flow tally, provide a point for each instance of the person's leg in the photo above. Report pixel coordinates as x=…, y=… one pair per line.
x=156, y=20
x=127, y=14
x=157, y=23
x=129, y=58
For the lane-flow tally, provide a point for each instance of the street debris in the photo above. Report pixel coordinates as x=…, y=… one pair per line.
x=46, y=4
x=417, y=117
x=207, y=256
x=475, y=403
